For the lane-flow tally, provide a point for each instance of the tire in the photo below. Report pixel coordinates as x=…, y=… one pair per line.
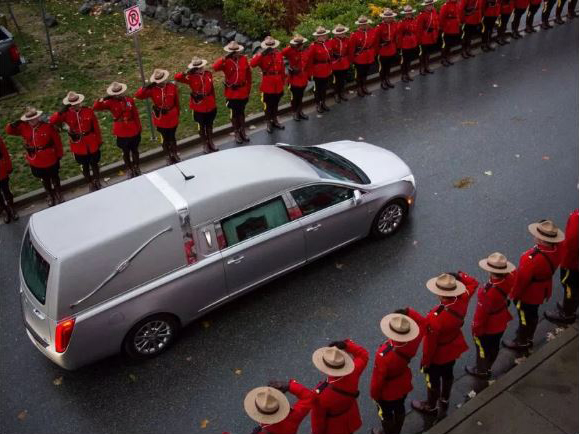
x=389, y=219
x=143, y=341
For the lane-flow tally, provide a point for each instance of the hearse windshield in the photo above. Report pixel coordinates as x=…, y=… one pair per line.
x=34, y=269
x=328, y=164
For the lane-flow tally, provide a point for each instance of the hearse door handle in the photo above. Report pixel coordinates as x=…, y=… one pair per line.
x=313, y=228
x=235, y=260
x=38, y=313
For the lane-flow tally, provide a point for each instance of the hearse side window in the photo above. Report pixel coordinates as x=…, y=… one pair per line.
x=34, y=270
x=254, y=221
x=317, y=197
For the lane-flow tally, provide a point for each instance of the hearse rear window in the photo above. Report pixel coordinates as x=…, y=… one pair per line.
x=34, y=269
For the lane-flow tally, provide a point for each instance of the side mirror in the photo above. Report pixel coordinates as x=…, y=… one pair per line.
x=357, y=197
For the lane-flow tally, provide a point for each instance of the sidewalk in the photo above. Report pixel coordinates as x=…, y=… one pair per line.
x=540, y=395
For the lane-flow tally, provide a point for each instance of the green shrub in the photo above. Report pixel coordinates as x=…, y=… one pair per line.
x=203, y=5
x=254, y=18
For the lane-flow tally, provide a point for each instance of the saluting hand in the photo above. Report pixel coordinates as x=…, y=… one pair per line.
x=338, y=344
x=282, y=386
x=402, y=311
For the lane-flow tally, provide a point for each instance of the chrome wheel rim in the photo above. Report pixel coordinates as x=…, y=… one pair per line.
x=153, y=337
x=390, y=218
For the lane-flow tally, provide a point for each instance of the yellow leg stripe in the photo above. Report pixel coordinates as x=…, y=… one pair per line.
x=521, y=314
x=198, y=126
x=545, y=5
x=481, y=350
x=565, y=277
x=443, y=40
x=427, y=378
x=380, y=414
x=568, y=293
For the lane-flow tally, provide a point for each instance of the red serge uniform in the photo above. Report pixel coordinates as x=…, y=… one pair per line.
x=570, y=246
x=5, y=161
x=507, y=7
x=43, y=145
x=534, y=283
x=450, y=18
x=443, y=339
x=386, y=39
x=298, y=63
x=320, y=59
x=339, y=48
x=491, y=8
x=298, y=412
x=165, y=103
x=471, y=12
x=492, y=313
x=126, y=121
x=521, y=4
x=84, y=130
x=362, y=44
x=391, y=377
x=202, y=98
x=335, y=409
x=407, y=34
x=272, y=69
x=237, y=76
x=428, y=27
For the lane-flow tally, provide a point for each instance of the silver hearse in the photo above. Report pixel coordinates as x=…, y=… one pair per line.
x=122, y=269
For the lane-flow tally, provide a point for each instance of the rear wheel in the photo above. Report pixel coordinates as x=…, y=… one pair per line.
x=151, y=336
x=389, y=219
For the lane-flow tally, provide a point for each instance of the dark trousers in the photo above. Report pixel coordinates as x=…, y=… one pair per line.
x=547, y=8
x=392, y=415
x=531, y=14
x=340, y=80
x=517, y=14
x=270, y=104
x=408, y=55
x=487, y=29
x=528, y=320
x=362, y=71
x=570, y=282
x=560, y=6
x=487, y=347
x=320, y=88
x=297, y=98
x=571, y=7
x=469, y=31
x=503, y=21
x=6, y=197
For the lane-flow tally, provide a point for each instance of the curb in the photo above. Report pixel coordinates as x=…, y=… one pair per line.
x=504, y=382
x=253, y=119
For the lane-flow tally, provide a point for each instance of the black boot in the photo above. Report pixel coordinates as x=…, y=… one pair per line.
x=359, y=88
x=276, y=123
x=398, y=422
x=428, y=406
x=57, y=190
x=10, y=205
x=364, y=88
x=442, y=409
x=302, y=115
x=4, y=209
x=558, y=316
x=242, y=127
x=520, y=343
x=427, y=64
x=421, y=67
x=480, y=370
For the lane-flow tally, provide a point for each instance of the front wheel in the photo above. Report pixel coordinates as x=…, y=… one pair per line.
x=389, y=218
x=151, y=336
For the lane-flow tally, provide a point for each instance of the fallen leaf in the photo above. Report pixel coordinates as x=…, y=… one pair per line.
x=119, y=73
x=22, y=415
x=204, y=423
x=491, y=382
x=495, y=85
x=57, y=381
x=360, y=138
x=414, y=243
x=252, y=127
x=459, y=405
x=546, y=157
x=107, y=179
x=550, y=336
x=318, y=116
x=461, y=183
x=471, y=394
x=488, y=172
x=517, y=155
x=520, y=360
x=479, y=423
x=407, y=88
x=133, y=377
x=469, y=122
x=189, y=358
x=339, y=266
x=205, y=324
x=121, y=173
x=238, y=371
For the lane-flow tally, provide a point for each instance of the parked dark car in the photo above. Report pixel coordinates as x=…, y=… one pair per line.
x=10, y=58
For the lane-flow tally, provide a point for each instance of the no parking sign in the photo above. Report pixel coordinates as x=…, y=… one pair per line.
x=133, y=19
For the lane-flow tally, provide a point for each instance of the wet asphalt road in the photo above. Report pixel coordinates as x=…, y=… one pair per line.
x=512, y=113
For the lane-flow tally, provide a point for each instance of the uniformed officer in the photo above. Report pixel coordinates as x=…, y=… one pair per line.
x=471, y=16
x=298, y=75
x=320, y=64
x=269, y=407
x=507, y=7
x=534, y=6
x=491, y=9
x=270, y=61
x=126, y=124
x=407, y=41
x=340, y=48
x=166, y=109
x=385, y=41
x=567, y=311
x=335, y=408
x=492, y=314
x=6, y=196
x=428, y=29
x=201, y=100
x=520, y=7
x=450, y=26
x=443, y=341
x=43, y=151
x=546, y=14
x=391, y=378
x=362, y=52
x=534, y=282
x=84, y=136
x=235, y=67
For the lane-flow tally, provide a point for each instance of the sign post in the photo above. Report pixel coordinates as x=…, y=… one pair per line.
x=134, y=22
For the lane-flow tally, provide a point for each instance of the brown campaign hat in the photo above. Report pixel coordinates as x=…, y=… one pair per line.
x=388, y=13
x=445, y=285
x=30, y=113
x=321, y=31
x=407, y=10
x=340, y=29
x=333, y=361
x=233, y=47
x=399, y=327
x=363, y=20
x=496, y=263
x=116, y=88
x=73, y=98
x=266, y=405
x=269, y=42
x=298, y=40
x=197, y=62
x=547, y=231
x=159, y=76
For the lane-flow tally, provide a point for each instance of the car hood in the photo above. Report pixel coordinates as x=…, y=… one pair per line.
x=381, y=166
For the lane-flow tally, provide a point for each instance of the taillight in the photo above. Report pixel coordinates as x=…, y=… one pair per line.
x=63, y=334
x=14, y=54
